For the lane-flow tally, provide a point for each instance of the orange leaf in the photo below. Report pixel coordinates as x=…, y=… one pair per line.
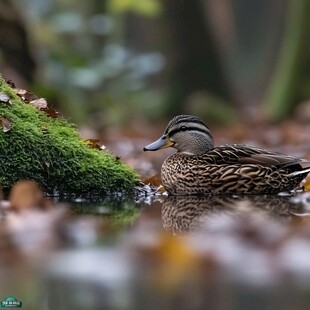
x=307, y=186
x=93, y=143
x=154, y=180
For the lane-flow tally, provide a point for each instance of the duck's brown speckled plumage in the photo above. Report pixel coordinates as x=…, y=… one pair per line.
x=210, y=173
x=200, y=168
x=182, y=214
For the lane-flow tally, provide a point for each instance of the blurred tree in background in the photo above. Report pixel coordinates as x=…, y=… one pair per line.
x=290, y=84
x=16, y=58
x=196, y=62
x=107, y=62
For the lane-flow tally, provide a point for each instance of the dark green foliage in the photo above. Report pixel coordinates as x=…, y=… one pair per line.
x=51, y=152
x=290, y=82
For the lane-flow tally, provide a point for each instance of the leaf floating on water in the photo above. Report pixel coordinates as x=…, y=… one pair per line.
x=26, y=95
x=51, y=112
x=6, y=124
x=39, y=103
x=4, y=98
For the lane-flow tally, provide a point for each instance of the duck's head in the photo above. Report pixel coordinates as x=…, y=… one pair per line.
x=186, y=133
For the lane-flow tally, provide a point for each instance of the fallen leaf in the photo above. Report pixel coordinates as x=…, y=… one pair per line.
x=39, y=103
x=26, y=95
x=93, y=143
x=6, y=124
x=155, y=180
x=305, y=183
x=51, y=112
x=4, y=98
x=11, y=83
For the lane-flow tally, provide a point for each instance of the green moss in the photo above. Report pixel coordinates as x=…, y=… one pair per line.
x=51, y=152
x=119, y=213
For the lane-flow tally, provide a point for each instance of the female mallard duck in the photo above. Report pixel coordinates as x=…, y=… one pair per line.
x=200, y=168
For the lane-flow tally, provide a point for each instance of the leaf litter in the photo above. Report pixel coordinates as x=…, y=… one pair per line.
x=29, y=97
x=6, y=124
x=4, y=98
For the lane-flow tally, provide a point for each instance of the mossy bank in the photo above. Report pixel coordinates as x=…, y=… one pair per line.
x=36, y=146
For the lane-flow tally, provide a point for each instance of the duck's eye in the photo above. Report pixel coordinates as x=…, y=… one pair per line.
x=183, y=128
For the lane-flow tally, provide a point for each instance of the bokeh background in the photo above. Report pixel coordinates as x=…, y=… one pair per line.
x=120, y=69
x=130, y=63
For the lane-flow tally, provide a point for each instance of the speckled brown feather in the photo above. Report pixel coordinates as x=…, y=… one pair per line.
x=224, y=170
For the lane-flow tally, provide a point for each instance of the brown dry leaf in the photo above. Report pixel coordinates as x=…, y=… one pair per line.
x=93, y=143
x=51, y=112
x=39, y=103
x=26, y=195
x=4, y=98
x=11, y=83
x=6, y=124
x=307, y=185
x=153, y=180
x=25, y=95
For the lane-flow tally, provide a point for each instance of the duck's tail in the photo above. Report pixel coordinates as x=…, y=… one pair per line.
x=303, y=171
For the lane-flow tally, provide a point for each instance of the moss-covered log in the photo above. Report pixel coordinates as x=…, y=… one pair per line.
x=50, y=151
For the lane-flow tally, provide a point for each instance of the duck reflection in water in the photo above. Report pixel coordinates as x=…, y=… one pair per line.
x=182, y=214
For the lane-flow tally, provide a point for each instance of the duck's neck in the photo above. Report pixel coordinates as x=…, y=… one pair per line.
x=197, y=148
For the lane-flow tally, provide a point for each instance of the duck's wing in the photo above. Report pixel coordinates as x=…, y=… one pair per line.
x=244, y=154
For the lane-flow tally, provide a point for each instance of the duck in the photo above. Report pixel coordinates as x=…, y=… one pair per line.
x=200, y=168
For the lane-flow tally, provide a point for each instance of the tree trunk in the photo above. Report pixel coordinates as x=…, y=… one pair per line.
x=195, y=61
x=290, y=72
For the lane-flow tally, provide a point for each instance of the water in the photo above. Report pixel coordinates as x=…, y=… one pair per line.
x=163, y=252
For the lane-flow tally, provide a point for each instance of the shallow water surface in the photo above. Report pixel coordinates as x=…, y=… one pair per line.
x=190, y=252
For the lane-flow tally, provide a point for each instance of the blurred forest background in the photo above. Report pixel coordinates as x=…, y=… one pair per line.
x=120, y=62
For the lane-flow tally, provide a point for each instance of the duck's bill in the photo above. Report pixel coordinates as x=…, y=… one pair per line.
x=159, y=144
